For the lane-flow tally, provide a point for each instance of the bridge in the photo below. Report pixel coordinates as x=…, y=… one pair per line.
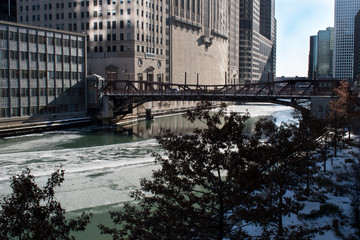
x=124, y=95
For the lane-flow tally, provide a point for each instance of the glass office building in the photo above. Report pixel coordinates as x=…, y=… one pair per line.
x=345, y=11
x=312, y=57
x=325, y=52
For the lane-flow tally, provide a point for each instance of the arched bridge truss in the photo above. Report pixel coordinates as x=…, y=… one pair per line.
x=126, y=95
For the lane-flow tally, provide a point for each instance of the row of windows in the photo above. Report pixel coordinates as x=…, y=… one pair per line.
x=41, y=74
x=70, y=5
x=42, y=57
x=181, y=4
x=112, y=25
x=35, y=92
x=31, y=38
x=128, y=48
x=113, y=37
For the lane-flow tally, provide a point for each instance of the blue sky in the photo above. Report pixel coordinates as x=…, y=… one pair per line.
x=297, y=20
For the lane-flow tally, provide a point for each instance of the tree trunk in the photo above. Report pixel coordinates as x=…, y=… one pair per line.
x=221, y=209
x=280, y=222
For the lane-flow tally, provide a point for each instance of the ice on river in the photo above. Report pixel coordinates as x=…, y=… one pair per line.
x=94, y=175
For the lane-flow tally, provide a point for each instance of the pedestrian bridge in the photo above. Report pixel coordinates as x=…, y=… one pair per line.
x=125, y=95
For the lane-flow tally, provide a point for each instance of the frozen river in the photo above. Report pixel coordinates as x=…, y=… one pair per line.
x=102, y=164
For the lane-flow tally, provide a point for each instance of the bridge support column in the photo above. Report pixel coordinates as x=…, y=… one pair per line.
x=107, y=107
x=149, y=116
x=320, y=106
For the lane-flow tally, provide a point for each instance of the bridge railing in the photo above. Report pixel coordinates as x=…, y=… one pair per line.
x=274, y=89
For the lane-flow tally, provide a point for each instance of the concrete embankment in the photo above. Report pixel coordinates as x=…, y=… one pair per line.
x=19, y=128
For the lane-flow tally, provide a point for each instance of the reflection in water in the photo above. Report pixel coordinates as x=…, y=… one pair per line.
x=177, y=124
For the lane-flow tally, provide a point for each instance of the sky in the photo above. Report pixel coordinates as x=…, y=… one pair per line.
x=297, y=20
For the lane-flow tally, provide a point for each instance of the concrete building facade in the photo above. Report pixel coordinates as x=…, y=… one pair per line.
x=257, y=40
x=126, y=38
x=198, y=42
x=42, y=72
x=234, y=50
x=345, y=11
x=173, y=41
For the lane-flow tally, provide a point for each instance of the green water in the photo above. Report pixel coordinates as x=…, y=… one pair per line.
x=102, y=163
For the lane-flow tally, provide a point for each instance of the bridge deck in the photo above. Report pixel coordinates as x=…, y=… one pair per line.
x=130, y=94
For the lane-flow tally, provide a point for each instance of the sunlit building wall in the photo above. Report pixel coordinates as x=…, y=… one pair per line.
x=257, y=40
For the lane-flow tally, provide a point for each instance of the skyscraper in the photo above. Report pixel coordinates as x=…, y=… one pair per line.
x=257, y=40
x=325, y=50
x=312, y=57
x=345, y=11
x=357, y=49
x=234, y=27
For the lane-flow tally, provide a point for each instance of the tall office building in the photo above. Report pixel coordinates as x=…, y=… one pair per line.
x=356, y=75
x=345, y=11
x=257, y=40
x=312, y=57
x=325, y=51
x=126, y=38
x=234, y=30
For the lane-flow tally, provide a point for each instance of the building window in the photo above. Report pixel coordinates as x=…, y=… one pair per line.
x=100, y=25
x=113, y=24
x=95, y=25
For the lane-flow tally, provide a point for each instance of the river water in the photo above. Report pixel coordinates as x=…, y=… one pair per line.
x=102, y=163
